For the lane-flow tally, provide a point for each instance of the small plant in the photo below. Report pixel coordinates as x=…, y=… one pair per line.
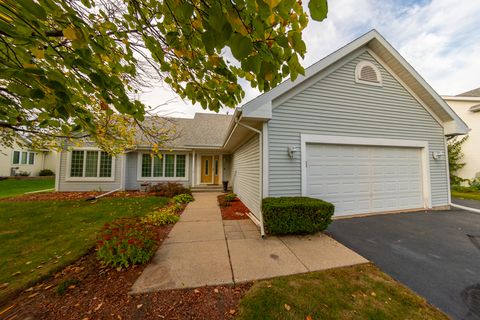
x=229, y=197
x=62, y=287
x=46, y=173
x=168, y=215
x=23, y=174
x=126, y=242
x=169, y=189
x=183, y=198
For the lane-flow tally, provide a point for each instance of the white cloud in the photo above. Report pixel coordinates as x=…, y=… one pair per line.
x=439, y=38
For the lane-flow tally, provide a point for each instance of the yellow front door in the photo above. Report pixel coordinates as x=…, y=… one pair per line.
x=206, y=176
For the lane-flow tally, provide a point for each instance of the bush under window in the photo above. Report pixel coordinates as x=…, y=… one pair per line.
x=296, y=215
x=46, y=173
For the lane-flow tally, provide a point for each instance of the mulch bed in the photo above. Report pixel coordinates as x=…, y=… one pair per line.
x=102, y=293
x=234, y=210
x=52, y=196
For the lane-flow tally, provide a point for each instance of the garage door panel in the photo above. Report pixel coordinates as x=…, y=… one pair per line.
x=362, y=179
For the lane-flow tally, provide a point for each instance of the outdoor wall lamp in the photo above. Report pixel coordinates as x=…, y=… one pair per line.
x=437, y=155
x=291, y=151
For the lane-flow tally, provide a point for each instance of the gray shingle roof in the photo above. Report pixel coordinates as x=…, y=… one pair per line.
x=470, y=93
x=205, y=129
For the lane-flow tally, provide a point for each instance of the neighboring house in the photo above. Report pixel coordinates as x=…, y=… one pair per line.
x=361, y=129
x=21, y=158
x=467, y=106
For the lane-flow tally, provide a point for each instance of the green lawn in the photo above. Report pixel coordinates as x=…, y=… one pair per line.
x=38, y=237
x=359, y=292
x=474, y=195
x=15, y=187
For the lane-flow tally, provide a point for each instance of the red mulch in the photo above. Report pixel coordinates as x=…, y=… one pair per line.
x=74, y=195
x=102, y=293
x=234, y=210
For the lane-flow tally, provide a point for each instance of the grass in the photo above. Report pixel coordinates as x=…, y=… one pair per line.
x=359, y=292
x=15, y=187
x=473, y=195
x=39, y=237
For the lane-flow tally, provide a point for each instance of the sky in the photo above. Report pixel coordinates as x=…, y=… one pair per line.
x=439, y=38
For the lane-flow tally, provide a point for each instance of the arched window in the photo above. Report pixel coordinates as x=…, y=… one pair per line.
x=367, y=73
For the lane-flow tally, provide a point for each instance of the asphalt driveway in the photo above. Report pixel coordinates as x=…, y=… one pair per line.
x=435, y=253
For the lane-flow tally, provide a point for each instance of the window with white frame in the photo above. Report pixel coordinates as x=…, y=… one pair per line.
x=90, y=164
x=162, y=165
x=23, y=157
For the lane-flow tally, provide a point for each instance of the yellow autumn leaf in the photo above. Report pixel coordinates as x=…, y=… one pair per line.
x=70, y=33
x=269, y=76
x=272, y=3
x=38, y=53
x=271, y=19
x=5, y=17
x=214, y=59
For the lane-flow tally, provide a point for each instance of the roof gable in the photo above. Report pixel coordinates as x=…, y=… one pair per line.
x=470, y=93
x=376, y=44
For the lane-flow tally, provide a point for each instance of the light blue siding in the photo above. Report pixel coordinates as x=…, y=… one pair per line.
x=337, y=105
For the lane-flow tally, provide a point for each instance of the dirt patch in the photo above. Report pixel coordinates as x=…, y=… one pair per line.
x=94, y=292
x=52, y=196
x=234, y=210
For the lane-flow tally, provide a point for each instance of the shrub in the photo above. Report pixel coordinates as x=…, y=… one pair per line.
x=296, y=215
x=163, y=216
x=126, y=242
x=46, y=173
x=474, y=184
x=23, y=174
x=229, y=197
x=463, y=189
x=170, y=189
x=183, y=198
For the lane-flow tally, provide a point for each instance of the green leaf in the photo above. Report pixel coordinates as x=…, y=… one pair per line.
x=318, y=9
x=241, y=46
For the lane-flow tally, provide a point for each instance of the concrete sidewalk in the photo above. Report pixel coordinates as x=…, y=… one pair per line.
x=203, y=250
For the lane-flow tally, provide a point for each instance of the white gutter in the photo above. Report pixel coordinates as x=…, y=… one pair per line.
x=464, y=208
x=237, y=122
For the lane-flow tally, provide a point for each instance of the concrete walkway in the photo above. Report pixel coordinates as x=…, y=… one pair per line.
x=203, y=250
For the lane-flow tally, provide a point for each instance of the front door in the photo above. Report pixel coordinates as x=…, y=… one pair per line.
x=206, y=176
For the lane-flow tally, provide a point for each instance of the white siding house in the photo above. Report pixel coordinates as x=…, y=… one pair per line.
x=21, y=158
x=467, y=106
x=361, y=129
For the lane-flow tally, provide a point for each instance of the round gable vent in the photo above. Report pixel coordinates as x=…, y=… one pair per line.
x=366, y=72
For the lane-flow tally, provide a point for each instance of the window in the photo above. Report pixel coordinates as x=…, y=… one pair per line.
x=216, y=167
x=31, y=158
x=90, y=164
x=367, y=73
x=163, y=165
x=16, y=157
x=23, y=157
x=206, y=167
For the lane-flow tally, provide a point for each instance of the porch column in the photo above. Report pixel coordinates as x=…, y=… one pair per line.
x=193, y=168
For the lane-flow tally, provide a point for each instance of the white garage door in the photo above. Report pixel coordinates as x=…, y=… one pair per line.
x=365, y=179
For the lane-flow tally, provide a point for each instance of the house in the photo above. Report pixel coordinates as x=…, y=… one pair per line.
x=21, y=158
x=467, y=106
x=361, y=129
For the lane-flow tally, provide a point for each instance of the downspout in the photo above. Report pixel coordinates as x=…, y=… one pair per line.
x=260, y=136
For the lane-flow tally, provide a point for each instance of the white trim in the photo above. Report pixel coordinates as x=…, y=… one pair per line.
x=57, y=172
x=193, y=169
x=358, y=69
x=459, y=98
x=87, y=179
x=465, y=208
x=404, y=85
x=123, y=171
x=379, y=142
x=163, y=178
x=265, y=190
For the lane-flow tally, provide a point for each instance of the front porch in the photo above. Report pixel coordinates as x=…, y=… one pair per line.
x=210, y=168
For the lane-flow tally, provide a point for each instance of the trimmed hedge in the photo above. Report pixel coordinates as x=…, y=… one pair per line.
x=296, y=215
